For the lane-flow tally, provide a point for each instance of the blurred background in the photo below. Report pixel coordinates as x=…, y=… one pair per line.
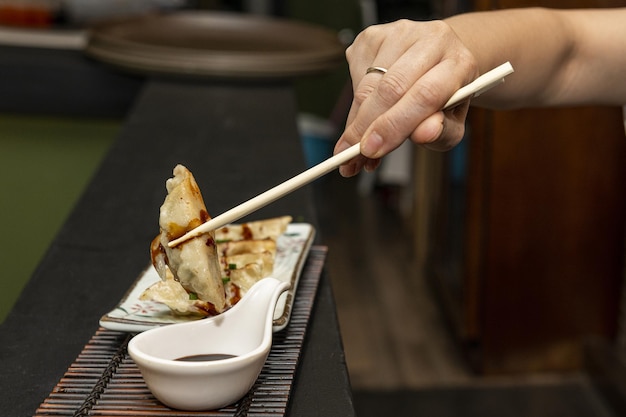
x=483, y=281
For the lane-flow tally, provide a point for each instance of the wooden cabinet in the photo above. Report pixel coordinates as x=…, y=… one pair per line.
x=527, y=247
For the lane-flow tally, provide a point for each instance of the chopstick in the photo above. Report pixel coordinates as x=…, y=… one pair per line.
x=478, y=86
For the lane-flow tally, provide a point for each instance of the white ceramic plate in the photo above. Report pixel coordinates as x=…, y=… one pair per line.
x=134, y=315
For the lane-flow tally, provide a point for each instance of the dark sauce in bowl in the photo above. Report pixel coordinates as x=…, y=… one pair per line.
x=209, y=357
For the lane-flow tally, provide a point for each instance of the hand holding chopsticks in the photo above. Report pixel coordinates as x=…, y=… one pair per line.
x=478, y=86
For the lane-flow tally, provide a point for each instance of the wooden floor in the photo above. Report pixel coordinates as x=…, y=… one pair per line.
x=394, y=335
x=401, y=358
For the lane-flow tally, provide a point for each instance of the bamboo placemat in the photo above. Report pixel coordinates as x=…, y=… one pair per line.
x=104, y=381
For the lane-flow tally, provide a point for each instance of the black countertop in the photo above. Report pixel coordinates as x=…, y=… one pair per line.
x=238, y=139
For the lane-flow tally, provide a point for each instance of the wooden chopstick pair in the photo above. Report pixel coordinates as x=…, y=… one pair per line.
x=475, y=88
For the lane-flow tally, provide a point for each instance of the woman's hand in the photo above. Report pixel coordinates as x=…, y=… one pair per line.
x=426, y=63
x=561, y=57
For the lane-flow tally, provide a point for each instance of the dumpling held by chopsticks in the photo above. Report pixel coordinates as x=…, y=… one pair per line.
x=210, y=272
x=194, y=264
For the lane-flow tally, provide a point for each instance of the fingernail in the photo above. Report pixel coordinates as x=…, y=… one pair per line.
x=341, y=146
x=371, y=165
x=433, y=130
x=348, y=170
x=371, y=145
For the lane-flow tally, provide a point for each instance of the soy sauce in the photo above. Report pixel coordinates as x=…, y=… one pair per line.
x=205, y=357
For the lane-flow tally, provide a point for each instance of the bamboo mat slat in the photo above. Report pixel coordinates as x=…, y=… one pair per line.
x=104, y=380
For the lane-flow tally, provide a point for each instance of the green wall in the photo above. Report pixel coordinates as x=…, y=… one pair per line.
x=44, y=165
x=318, y=94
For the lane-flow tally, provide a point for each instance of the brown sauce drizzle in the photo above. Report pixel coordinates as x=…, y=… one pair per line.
x=236, y=295
x=207, y=307
x=246, y=232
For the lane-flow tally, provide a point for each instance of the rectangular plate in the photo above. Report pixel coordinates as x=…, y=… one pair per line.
x=134, y=315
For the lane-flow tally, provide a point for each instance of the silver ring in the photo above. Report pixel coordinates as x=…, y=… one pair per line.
x=380, y=70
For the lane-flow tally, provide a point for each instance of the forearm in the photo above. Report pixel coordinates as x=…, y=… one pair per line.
x=560, y=57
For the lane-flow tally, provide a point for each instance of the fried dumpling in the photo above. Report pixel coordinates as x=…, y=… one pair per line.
x=239, y=247
x=257, y=230
x=194, y=263
x=209, y=273
x=171, y=293
x=245, y=269
x=247, y=251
